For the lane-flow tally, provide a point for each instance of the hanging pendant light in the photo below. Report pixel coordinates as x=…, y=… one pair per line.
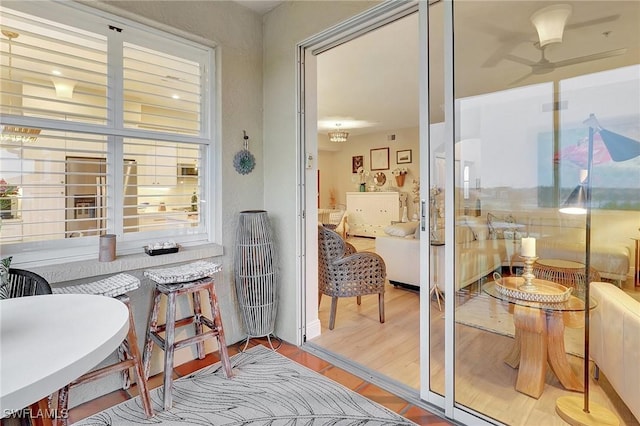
x=15, y=134
x=338, y=135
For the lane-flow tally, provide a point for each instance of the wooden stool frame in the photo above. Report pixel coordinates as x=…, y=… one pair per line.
x=168, y=343
x=129, y=356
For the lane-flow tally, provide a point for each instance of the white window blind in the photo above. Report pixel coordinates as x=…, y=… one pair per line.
x=162, y=180
x=104, y=128
x=162, y=92
x=61, y=184
x=50, y=70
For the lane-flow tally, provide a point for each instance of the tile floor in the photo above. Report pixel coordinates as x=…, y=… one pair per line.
x=392, y=402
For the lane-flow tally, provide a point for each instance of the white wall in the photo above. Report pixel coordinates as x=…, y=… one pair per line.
x=336, y=171
x=285, y=27
x=237, y=32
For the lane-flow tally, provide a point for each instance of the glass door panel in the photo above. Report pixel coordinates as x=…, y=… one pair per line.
x=524, y=106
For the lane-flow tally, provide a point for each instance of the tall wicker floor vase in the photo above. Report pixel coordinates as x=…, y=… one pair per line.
x=256, y=274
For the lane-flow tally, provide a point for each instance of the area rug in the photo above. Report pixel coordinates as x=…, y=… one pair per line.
x=267, y=389
x=490, y=314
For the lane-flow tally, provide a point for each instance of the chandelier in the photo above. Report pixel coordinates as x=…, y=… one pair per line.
x=338, y=135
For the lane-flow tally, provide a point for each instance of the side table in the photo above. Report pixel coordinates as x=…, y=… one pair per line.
x=565, y=272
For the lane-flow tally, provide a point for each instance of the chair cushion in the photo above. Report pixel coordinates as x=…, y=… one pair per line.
x=111, y=286
x=183, y=273
x=4, y=277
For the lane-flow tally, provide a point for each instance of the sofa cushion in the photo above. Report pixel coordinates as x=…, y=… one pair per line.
x=401, y=229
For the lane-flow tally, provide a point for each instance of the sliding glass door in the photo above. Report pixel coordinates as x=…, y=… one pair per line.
x=518, y=122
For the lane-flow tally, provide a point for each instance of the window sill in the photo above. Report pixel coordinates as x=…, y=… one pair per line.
x=68, y=271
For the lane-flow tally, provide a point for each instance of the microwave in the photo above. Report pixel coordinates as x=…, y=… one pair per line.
x=187, y=170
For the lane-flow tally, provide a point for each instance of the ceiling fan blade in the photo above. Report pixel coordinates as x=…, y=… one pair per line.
x=518, y=80
x=520, y=60
x=502, y=52
x=587, y=58
x=590, y=22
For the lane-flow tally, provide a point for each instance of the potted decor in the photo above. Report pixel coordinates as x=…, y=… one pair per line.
x=7, y=192
x=400, y=173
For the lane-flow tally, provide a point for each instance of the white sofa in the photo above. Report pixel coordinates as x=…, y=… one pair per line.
x=401, y=253
x=614, y=341
x=483, y=246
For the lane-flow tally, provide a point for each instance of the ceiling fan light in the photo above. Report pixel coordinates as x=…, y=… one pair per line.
x=550, y=21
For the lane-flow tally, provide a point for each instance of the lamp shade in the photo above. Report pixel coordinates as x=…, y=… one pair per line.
x=621, y=148
x=550, y=21
x=576, y=202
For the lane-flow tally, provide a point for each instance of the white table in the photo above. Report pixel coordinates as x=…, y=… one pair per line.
x=48, y=341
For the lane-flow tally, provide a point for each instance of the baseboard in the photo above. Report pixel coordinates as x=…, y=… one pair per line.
x=313, y=330
x=404, y=285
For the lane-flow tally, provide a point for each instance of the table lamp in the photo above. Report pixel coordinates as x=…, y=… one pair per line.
x=620, y=148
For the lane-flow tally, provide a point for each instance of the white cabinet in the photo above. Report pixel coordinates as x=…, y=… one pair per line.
x=368, y=213
x=157, y=163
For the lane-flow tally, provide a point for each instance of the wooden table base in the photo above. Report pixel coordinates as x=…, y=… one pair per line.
x=539, y=338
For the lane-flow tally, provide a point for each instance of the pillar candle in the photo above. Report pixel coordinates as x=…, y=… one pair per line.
x=528, y=247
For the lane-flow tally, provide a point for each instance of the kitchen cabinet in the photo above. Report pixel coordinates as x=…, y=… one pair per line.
x=368, y=213
x=156, y=165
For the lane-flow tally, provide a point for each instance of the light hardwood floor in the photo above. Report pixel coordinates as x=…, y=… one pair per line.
x=483, y=381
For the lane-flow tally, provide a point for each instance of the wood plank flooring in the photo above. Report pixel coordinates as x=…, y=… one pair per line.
x=483, y=381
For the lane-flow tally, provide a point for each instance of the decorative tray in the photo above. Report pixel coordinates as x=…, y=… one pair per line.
x=156, y=250
x=545, y=291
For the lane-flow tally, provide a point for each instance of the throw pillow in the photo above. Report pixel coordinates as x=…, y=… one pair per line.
x=401, y=229
x=4, y=277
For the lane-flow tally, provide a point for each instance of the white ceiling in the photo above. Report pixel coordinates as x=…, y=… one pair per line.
x=373, y=80
x=260, y=6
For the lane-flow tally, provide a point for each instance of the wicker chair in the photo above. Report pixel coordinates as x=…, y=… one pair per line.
x=342, y=272
x=25, y=283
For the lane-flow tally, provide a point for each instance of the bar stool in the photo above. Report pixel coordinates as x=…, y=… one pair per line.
x=173, y=282
x=128, y=352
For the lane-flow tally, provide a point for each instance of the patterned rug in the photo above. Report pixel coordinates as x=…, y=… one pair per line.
x=487, y=313
x=267, y=389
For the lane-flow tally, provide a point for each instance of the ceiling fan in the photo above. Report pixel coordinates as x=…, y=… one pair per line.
x=550, y=23
x=544, y=66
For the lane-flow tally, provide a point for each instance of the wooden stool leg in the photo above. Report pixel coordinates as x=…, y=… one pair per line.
x=217, y=321
x=152, y=327
x=131, y=343
x=169, y=342
x=197, y=313
x=122, y=356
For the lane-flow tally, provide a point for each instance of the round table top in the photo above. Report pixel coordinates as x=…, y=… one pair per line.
x=48, y=341
x=559, y=263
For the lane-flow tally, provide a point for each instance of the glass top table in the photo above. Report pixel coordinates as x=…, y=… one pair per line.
x=571, y=305
x=539, y=340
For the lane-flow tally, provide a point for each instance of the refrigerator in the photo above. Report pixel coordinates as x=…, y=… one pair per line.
x=85, y=182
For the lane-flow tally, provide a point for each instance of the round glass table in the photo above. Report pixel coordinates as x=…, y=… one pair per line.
x=539, y=338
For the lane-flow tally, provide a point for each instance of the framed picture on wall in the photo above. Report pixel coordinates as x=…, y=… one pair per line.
x=379, y=159
x=357, y=161
x=403, y=157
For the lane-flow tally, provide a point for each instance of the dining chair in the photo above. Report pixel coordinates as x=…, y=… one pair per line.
x=26, y=283
x=344, y=272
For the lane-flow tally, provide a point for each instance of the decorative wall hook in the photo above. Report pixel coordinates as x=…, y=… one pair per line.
x=244, y=161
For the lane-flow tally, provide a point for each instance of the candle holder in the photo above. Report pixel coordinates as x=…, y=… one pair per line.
x=527, y=273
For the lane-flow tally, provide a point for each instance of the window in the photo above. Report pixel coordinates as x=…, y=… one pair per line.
x=104, y=129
